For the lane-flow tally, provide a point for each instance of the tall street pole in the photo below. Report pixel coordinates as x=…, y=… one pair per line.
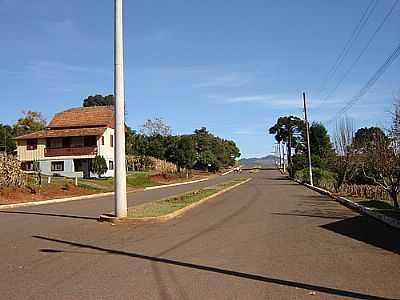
x=283, y=157
x=121, y=208
x=308, y=140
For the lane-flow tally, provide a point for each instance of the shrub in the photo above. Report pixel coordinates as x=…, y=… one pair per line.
x=99, y=165
x=299, y=162
x=321, y=177
x=10, y=172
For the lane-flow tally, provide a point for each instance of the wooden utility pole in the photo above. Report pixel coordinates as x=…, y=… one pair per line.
x=308, y=140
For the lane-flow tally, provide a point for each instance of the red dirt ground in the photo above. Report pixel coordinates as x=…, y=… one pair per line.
x=20, y=195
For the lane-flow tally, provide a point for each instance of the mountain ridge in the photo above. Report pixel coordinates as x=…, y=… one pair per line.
x=265, y=161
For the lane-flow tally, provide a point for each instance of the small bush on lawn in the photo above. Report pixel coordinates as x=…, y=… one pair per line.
x=99, y=166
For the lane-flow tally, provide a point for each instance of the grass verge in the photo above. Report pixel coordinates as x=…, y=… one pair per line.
x=170, y=205
x=382, y=207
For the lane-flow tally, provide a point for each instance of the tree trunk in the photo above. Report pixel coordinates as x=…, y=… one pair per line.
x=393, y=195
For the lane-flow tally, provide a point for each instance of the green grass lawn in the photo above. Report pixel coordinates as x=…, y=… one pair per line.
x=133, y=180
x=139, y=180
x=168, y=205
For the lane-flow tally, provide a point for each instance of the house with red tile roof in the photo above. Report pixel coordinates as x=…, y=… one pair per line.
x=70, y=142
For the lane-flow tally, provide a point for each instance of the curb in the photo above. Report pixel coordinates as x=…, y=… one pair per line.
x=173, y=184
x=226, y=173
x=51, y=201
x=113, y=219
x=355, y=206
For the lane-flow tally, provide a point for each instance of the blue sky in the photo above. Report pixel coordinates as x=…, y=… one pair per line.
x=232, y=66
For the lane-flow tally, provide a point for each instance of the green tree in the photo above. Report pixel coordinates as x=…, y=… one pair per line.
x=156, y=147
x=221, y=152
x=185, y=152
x=320, y=142
x=99, y=100
x=322, y=151
x=207, y=161
x=365, y=137
x=30, y=122
x=99, y=166
x=289, y=130
x=7, y=142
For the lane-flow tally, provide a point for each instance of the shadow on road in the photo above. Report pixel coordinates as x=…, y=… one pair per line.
x=47, y=215
x=367, y=230
x=322, y=216
x=255, y=277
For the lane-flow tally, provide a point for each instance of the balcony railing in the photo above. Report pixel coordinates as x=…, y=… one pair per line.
x=50, y=152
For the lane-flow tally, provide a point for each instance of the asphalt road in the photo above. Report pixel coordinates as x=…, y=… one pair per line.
x=268, y=239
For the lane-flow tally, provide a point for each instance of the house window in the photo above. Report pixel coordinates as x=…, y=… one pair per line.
x=111, y=140
x=32, y=144
x=55, y=143
x=90, y=141
x=57, y=166
x=102, y=140
x=111, y=165
x=27, y=166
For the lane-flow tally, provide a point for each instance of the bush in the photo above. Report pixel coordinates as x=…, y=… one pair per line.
x=99, y=165
x=299, y=162
x=321, y=177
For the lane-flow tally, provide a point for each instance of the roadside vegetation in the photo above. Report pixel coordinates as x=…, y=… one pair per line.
x=154, y=156
x=166, y=206
x=362, y=164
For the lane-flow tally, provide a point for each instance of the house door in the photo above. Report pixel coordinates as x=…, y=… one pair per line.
x=82, y=165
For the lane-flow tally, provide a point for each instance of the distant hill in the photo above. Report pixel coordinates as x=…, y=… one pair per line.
x=267, y=161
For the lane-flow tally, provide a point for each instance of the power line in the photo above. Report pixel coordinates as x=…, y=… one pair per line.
x=396, y=2
x=356, y=32
x=374, y=78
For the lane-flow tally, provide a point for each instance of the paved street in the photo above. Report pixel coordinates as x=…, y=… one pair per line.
x=268, y=239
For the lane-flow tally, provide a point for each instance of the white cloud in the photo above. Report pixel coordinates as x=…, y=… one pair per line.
x=275, y=101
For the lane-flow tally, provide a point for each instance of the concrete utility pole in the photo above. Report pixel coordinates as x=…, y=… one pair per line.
x=308, y=140
x=121, y=207
x=283, y=157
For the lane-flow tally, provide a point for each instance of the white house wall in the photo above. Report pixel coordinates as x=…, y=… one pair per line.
x=106, y=150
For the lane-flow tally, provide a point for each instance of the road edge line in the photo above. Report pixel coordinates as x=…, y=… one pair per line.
x=226, y=173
